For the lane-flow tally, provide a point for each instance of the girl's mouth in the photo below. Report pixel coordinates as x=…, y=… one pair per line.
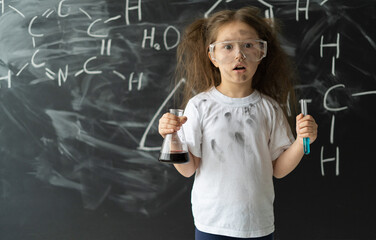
x=239, y=68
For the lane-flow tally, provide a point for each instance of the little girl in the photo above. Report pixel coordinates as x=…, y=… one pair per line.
x=236, y=128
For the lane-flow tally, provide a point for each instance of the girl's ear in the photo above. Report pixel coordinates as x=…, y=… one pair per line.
x=212, y=60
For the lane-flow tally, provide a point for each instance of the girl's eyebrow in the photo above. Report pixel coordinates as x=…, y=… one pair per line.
x=235, y=40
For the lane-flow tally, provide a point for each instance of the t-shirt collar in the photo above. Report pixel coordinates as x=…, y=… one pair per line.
x=220, y=97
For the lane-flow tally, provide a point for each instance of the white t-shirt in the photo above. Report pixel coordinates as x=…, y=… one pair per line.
x=237, y=139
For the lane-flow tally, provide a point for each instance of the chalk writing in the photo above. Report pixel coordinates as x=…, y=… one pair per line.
x=157, y=46
x=128, y=8
x=7, y=78
x=89, y=32
x=17, y=11
x=61, y=76
x=106, y=47
x=60, y=11
x=305, y=9
x=269, y=12
x=30, y=26
x=86, y=13
x=156, y=115
x=138, y=81
x=334, y=45
x=332, y=159
x=36, y=65
x=22, y=68
x=2, y=6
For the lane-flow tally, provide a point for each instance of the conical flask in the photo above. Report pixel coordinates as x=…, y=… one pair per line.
x=174, y=147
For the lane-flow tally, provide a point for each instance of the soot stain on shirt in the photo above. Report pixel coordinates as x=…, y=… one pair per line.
x=218, y=152
x=208, y=111
x=250, y=121
x=203, y=101
x=228, y=116
x=249, y=110
x=239, y=138
x=205, y=106
x=212, y=143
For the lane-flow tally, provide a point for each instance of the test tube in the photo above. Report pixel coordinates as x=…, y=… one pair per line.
x=303, y=106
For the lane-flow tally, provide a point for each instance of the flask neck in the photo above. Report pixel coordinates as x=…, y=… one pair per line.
x=177, y=112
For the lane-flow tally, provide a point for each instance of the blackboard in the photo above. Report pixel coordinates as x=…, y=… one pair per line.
x=83, y=83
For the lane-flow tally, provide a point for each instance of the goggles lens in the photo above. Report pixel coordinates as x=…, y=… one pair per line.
x=228, y=51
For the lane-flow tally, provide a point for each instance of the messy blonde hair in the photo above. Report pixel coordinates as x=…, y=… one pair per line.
x=274, y=76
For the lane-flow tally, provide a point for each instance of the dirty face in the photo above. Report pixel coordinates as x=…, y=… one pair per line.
x=244, y=52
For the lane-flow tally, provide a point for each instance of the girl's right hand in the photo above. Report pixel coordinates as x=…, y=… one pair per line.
x=170, y=123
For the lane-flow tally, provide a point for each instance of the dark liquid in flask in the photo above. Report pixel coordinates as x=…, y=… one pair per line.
x=174, y=157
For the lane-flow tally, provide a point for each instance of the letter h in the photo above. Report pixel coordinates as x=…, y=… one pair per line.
x=2, y=6
x=336, y=159
x=302, y=9
x=127, y=8
x=150, y=37
x=336, y=45
x=139, y=81
x=7, y=78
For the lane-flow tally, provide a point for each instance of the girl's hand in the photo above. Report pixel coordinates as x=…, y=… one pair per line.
x=306, y=127
x=170, y=123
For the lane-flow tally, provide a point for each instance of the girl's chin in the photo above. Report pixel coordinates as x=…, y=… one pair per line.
x=242, y=79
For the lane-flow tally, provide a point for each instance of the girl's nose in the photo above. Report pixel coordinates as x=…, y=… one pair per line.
x=240, y=55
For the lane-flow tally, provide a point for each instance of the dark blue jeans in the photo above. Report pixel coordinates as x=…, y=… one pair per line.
x=207, y=236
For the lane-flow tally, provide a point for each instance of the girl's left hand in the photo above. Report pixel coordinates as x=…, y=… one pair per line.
x=306, y=127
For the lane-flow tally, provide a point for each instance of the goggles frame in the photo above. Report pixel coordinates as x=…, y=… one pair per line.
x=264, y=44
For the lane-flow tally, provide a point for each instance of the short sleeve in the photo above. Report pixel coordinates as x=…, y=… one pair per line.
x=281, y=136
x=192, y=129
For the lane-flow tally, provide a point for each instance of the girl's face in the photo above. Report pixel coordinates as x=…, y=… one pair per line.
x=238, y=63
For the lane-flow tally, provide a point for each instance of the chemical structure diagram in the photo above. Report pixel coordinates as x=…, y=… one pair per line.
x=61, y=74
x=325, y=45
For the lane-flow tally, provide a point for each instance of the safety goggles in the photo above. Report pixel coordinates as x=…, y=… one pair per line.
x=228, y=51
